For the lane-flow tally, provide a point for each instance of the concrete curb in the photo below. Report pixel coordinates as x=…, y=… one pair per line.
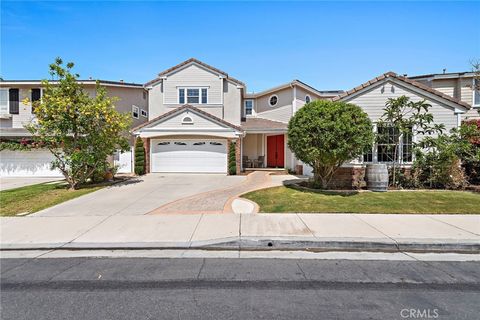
x=265, y=244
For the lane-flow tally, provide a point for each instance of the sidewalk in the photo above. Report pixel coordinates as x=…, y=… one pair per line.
x=431, y=233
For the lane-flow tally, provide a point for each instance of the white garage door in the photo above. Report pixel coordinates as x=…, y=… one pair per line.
x=34, y=163
x=208, y=156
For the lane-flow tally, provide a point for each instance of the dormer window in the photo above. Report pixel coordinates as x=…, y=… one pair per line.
x=193, y=95
x=187, y=120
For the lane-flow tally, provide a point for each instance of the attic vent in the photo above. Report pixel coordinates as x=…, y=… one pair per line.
x=187, y=120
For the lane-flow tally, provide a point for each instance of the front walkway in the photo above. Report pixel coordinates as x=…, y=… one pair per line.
x=243, y=231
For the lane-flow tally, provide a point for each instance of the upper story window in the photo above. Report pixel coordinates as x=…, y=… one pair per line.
x=144, y=113
x=476, y=92
x=135, y=112
x=248, y=107
x=273, y=101
x=307, y=99
x=193, y=95
x=9, y=101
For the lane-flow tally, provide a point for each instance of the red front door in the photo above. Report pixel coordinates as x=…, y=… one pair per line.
x=276, y=151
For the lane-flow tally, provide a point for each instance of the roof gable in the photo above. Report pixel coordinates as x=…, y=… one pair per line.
x=413, y=85
x=292, y=83
x=176, y=119
x=189, y=62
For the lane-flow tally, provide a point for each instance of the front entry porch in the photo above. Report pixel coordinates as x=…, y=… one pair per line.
x=263, y=151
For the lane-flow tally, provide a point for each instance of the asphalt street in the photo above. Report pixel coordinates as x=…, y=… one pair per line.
x=154, y=288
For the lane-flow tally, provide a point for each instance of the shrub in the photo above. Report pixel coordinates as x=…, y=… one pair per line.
x=232, y=161
x=438, y=164
x=139, y=157
x=325, y=134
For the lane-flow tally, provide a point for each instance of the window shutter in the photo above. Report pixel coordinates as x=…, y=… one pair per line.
x=13, y=97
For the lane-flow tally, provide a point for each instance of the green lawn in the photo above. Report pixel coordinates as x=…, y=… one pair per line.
x=284, y=199
x=37, y=197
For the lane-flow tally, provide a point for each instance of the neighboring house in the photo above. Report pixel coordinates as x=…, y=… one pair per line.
x=196, y=112
x=460, y=85
x=14, y=115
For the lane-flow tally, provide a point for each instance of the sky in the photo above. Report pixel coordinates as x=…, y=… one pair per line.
x=329, y=45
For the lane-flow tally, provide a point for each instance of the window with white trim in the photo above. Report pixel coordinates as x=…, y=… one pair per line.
x=392, y=146
x=248, y=107
x=476, y=92
x=193, y=95
x=308, y=99
x=144, y=113
x=135, y=111
x=181, y=96
x=273, y=101
x=4, y=101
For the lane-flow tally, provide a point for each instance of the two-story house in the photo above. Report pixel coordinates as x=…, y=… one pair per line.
x=196, y=111
x=14, y=114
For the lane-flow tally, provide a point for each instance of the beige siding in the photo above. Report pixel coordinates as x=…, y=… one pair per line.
x=447, y=86
x=215, y=111
x=232, y=103
x=155, y=98
x=127, y=97
x=193, y=76
x=471, y=114
x=281, y=112
x=224, y=97
x=466, y=89
x=285, y=97
x=24, y=115
x=373, y=102
x=253, y=146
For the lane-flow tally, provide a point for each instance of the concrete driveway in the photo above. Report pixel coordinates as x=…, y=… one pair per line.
x=139, y=196
x=12, y=183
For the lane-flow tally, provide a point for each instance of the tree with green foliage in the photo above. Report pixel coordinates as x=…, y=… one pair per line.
x=232, y=162
x=326, y=134
x=139, y=157
x=79, y=130
x=406, y=119
x=438, y=160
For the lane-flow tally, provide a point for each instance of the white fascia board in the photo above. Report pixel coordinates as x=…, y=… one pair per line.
x=189, y=133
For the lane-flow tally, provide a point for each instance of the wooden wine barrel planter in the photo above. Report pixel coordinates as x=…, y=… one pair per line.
x=377, y=177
